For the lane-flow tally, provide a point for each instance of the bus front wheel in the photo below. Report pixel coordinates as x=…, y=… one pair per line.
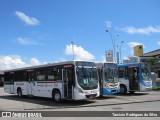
x=123, y=89
x=56, y=95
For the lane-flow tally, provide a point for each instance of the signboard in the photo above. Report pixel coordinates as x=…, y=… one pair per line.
x=109, y=55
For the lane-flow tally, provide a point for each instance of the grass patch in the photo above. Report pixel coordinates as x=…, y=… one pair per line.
x=155, y=88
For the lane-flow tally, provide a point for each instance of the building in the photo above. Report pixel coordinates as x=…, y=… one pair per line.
x=155, y=68
x=109, y=56
x=138, y=50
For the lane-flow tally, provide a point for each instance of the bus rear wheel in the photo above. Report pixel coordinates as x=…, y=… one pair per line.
x=19, y=92
x=131, y=92
x=56, y=95
x=123, y=89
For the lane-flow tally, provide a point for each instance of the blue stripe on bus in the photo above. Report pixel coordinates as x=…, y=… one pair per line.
x=110, y=91
x=146, y=84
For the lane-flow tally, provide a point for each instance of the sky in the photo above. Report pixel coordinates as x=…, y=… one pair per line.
x=34, y=32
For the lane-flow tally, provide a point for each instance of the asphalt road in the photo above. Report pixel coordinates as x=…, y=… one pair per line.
x=147, y=101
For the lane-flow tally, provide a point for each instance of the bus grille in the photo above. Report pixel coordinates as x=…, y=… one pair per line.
x=91, y=96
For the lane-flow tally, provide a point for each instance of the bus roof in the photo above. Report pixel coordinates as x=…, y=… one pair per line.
x=129, y=64
x=45, y=65
x=102, y=64
x=1, y=72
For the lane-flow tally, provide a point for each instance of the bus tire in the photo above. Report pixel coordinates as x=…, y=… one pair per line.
x=131, y=92
x=19, y=92
x=56, y=95
x=123, y=89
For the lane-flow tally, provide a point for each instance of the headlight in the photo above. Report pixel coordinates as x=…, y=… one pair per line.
x=107, y=86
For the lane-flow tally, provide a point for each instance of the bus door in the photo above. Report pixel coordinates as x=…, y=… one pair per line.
x=133, y=78
x=30, y=82
x=101, y=79
x=67, y=79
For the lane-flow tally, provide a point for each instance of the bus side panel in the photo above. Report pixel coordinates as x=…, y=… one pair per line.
x=23, y=86
x=12, y=88
x=44, y=89
x=7, y=88
x=145, y=86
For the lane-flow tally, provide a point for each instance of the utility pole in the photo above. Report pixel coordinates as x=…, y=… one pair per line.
x=72, y=49
x=113, y=44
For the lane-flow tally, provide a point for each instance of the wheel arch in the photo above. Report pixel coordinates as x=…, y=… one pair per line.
x=19, y=88
x=125, y=87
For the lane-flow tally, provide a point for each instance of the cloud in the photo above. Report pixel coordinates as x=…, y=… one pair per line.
x=126, y=58
x=79, y=52
x=34, y=61
x=16, y=61
x=102, y=59
x=108, y=24
x=158, y=42
x=132, y=44
x=26, y=19
x=145, y=31
x=61, y=59
x=27, y=41
x=10, y=62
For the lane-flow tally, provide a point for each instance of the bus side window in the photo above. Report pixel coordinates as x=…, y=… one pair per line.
x=12, y=77
x=50, y=75
x=40, y=74
x=57, y=73
x=19, y=76
x=7, y=77
x=122, y=72
x=159, y=73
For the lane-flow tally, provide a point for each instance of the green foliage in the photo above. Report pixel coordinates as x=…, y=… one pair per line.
x=155, y=88
x=153, y=61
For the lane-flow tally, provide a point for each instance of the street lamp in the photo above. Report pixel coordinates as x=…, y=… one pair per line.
x=120, y=51
x=113, y=43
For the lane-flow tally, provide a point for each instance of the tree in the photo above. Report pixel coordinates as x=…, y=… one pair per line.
x=153, y=62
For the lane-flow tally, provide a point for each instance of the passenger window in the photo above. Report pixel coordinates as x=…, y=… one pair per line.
x=122, y=72
x=40, y=74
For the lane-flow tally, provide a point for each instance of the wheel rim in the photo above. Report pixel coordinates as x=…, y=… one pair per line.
x=19, y=93
x=57, y=96
x=122, y=90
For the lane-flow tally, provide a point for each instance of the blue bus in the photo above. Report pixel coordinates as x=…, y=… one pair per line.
x=134, y=77
x=108, y=76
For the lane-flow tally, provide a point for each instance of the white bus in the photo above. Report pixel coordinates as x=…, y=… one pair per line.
x=73, y=80
x=134, y=77
x=108, y=76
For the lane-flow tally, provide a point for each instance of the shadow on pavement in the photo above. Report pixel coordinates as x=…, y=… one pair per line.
x=132, y=94
x=47, y=101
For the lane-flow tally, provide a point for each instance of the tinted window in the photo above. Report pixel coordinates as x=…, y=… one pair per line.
x=122, y=72
x=6, y=77
x=18, y=76
x=40, y=74
x=85, y=64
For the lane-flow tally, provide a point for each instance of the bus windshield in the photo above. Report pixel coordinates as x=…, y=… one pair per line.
x=87, y=78
x=146, y=73
x=111, y=75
